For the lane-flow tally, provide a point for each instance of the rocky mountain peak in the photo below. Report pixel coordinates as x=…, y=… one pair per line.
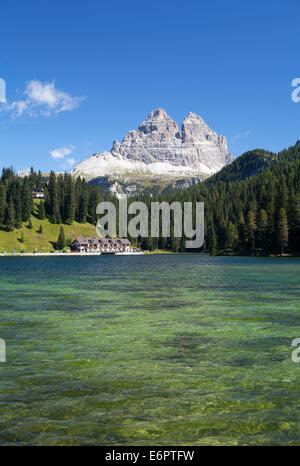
x=158, y=113
x=157, y=148
x=193, y=116
x=159, y=121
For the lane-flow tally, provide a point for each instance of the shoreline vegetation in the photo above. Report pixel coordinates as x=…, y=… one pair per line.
x=68, y=253
x=252, y=208
x=61, y=254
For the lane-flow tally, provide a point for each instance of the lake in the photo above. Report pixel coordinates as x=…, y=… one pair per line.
x=149, y=350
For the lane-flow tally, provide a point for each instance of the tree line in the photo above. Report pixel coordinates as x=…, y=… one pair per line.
x=66, y=199
x=251, y=206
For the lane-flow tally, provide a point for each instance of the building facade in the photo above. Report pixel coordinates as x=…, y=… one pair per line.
x=38, y=193
x=103, y=245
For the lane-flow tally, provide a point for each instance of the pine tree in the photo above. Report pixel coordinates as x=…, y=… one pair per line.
x=251, y=228
x=82, y=209
x=282, y=230
x=40, y=230
x=39, y=180
x=231, y=236
x=22, y=239
x=93, y=201
x=294, y=223
x=70, y=203
x=17, y=199
x=30, y=226
x=2, y=203
x=41, y=210
x=54, y=206
x=270, y=208
x=213, y=241
x=262, y=228
x=47, y=204
x=56, y=217
x=182, y=245
x=10, y=217
x=26, y=200
x=145, y=244
x=175, y=244
x=61, y=241
x=242, y=232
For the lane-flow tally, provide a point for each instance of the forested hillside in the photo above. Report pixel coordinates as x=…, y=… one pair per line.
x=66, y=199
x=249, y=164
x=30, y=224
x=252, y=206
x=251, y=214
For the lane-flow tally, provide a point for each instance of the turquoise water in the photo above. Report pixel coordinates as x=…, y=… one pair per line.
x=149, y=350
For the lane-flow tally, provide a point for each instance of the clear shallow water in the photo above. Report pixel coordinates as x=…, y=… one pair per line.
x=149, y=350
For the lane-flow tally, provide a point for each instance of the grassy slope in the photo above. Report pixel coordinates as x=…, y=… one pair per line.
x=10, y=241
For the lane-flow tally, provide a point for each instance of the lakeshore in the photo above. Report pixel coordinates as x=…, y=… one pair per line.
x=156, y=252
x=68, y=254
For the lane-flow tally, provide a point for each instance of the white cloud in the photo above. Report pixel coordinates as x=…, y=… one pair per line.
x=239, y=136
x=62, y=152
x=18, y=107
x=68, y=163
x=43, y=99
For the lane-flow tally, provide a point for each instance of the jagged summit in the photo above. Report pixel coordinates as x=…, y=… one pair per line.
x=159, y=149
x=158, y=120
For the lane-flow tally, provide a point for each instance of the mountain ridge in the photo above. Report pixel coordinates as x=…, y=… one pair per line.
x=159, y=149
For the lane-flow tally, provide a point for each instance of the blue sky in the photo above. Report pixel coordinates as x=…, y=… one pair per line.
x=81, y=74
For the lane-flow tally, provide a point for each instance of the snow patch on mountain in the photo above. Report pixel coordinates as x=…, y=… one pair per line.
x=159, y=149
